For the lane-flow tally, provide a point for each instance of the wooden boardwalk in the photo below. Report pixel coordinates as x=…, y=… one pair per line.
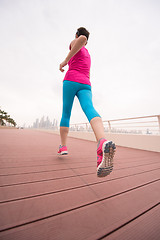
x=45, y=197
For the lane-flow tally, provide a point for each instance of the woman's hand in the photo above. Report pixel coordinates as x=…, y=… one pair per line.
x=62, y=65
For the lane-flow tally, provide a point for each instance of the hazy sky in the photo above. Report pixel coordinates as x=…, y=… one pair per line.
x=124, y=45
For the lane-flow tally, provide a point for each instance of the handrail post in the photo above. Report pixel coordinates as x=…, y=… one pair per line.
x=159, y=122
x=109, y=124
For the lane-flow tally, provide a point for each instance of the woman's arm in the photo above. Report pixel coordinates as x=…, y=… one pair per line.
x=76, y=45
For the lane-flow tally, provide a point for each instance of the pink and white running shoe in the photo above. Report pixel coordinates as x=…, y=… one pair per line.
x=105, y=153
x=62, y=150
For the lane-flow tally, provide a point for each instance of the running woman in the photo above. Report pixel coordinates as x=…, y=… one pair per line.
x=77, y=83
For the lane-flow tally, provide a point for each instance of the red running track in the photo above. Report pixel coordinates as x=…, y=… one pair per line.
x=44, y=196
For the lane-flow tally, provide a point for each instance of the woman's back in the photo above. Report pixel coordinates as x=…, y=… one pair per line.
x=79, y=67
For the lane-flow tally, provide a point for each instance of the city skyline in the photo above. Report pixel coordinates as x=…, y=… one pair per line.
x=45, y=122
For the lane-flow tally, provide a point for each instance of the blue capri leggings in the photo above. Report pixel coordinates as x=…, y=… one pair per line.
x=84, y=94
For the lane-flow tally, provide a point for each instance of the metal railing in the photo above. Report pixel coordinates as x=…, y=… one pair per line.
x=135, y=125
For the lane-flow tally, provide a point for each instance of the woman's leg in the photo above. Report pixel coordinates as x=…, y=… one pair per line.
x=98, y=128
x=105, y=149
x=63, y=134
x=69, y=92
x=85, y=99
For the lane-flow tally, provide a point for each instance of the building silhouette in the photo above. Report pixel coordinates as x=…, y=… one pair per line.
x=46, y=123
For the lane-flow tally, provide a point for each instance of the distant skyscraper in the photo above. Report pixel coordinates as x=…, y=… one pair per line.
x=45, y=123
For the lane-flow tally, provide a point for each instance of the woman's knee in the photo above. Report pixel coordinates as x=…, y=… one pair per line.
x=64, y=122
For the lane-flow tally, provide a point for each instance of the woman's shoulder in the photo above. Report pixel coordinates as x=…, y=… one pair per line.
x=72, y=43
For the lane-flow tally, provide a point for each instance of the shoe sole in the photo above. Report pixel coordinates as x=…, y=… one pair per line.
x=63, y=153
x=106, y=166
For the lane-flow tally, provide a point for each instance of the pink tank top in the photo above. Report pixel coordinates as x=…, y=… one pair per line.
x=79, y=67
